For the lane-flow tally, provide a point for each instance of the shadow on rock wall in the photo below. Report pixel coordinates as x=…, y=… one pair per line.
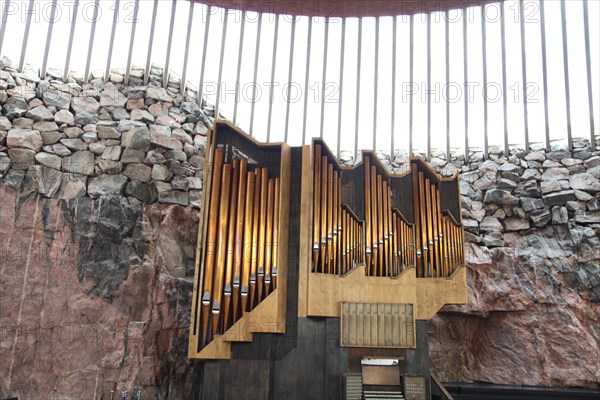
x=95, y=296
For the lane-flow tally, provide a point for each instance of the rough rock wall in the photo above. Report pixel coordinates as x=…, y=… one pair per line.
x=99, y=185
x=99, y=190
x=532, y=230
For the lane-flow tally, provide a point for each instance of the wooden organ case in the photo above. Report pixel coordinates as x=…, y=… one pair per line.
x=241, y=269
x=410, y=259
x=292, y=244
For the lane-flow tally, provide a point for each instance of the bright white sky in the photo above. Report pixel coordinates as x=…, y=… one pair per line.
x=577, y=73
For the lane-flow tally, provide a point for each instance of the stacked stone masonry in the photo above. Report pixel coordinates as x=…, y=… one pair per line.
x=100, y=187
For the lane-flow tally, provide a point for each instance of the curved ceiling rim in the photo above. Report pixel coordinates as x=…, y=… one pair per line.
x=345, y=8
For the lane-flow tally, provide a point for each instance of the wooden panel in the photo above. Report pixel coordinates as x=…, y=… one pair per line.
x=388, y=325
x=386, y=375
x=336, y=359
x=245, y=379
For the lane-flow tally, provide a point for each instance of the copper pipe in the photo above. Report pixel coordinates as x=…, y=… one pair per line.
x=416, y=216
x=334, y=224
x=255, y=224
x=269, y=238
x=329, y=256
x=344, y=240
x=221, y=248
x=427, y=225
x=247, y=245
x=387, y=265
x=324, y=178
x=263, y=231
x=387, y=238
x=380, y=224
x=447, y=237
x=339, y=218
x=239, y=236
x=391, y=234
x=423, y=232
x=439, y=241
x=394, y=242
x=232, y=225
x=213, y=221
x=316, y=206
x=374, y=222
x=367, y=169
x=430, y=231
x=436, y=230
x=275, y=247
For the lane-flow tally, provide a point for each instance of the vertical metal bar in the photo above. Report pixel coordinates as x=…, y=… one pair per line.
x=394, y=55
x=169, y=43
x=70, y=45
x=5, y=21
x=466, y=77
x=524, y=71
x=485, y=83
x=256, y=54
x=563, y=16
x=586, y=29
x=358, y=65
x=183, y=84
x=132, y=39
x=341, y=88
x=48, y=39
x=308, y=45
x=544, y=74
x=447, y=15
x=375, y=83
x=324, y=79
x=112, y=40
x=150, y=41
x=221, y=58
x=504, y=96
x=411, y=81
x=29, y=13
x=239, y=67
x=290, y=70
x=86, y=75
x=204, y=48
x=273, y=65
x=428, y=151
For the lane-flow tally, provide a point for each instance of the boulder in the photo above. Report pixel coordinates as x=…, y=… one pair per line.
x=49, y=160
x=80, y=162
x=559, y=198
x=585, y=182
x=40, y=113
x=21, y=159
x=64, y=117
x=500, y=197
x=137, y=138
x=138, y=172
x=56, y=98
x=104, y=185
x=24, y=139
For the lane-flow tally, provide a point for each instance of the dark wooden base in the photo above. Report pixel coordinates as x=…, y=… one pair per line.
x=312, y=367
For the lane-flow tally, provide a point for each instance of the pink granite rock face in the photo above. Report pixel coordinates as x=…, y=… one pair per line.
x=533, y=316
x=94, y=295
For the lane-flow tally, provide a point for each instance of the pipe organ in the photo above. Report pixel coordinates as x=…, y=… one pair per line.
x=364, y=245
x=242, y=242
x=337, y=232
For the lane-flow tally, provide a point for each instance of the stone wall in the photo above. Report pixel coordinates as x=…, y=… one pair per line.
x=99, y=189
x=532, y=230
